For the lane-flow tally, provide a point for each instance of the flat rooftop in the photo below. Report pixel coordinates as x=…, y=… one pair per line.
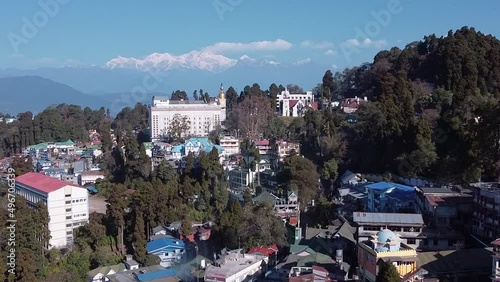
x=388, y=218
x=448, y=199
x=232, y=264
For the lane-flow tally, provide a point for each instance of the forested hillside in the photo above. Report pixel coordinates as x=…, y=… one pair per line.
x=435, y=110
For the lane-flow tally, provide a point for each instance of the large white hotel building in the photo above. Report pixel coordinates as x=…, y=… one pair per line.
x=203, y=117
x=67, y=204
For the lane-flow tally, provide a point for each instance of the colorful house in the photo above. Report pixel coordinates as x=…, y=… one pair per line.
x=385, y=247
x=390, y=197
x=196, y=146
x=169, y=250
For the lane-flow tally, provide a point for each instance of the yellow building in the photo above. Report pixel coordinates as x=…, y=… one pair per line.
x=385, y=247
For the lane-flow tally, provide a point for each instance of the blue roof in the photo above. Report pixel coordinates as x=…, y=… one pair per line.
x=205, y=144
x=158, y=274
x=382, y=186
x=92, y=189
x=164, y=245
x=177, y=149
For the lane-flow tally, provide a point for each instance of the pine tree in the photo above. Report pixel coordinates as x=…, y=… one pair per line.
x=140, y=239
x=116, y=211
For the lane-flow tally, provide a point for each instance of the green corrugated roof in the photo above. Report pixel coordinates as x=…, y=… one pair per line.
x=39, y=146
x=65, y=143
x=94, y=147
x=106, y=269
x=316, y=259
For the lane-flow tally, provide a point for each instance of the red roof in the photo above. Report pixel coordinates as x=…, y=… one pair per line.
x=267, y=251
x=292, y=103
x=264, y=142
x=42, y=183
x=314, y=105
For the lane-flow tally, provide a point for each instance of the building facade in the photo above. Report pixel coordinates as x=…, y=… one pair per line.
x=234, y=266
x=202, y=117
x=231, y=145
x=67, y=204
x=294, y=104
x=384, y=247
x=408, y=226
x=390, y=197
x=486, y=211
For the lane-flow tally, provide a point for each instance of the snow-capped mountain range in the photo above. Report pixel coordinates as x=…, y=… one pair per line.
x=122, y=82
x=194, y=60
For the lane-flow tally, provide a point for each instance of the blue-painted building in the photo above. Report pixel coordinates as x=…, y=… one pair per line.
x=157, y=275
x=195, y=145
x=169, y=250
x=390, y=197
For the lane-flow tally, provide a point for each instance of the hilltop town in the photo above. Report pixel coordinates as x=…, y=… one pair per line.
x=383, y=171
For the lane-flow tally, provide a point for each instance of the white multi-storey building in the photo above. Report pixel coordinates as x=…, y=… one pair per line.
x=294, y=104
x=235, y=266
x=67, y=204
x=231, y=145
x=203, y=117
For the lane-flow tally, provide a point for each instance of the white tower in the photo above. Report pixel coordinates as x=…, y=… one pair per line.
x=222, y=102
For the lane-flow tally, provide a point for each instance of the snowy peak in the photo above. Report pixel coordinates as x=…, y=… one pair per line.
x=194, y=60
x=302, y=62
x=246, y=60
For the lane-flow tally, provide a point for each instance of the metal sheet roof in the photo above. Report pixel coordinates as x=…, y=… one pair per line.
x=393, y=218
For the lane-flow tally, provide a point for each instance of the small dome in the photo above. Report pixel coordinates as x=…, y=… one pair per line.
x=386, y=235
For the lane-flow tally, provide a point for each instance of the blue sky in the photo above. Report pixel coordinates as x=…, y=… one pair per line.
x=92, y=32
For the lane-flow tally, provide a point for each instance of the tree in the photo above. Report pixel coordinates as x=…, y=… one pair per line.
x=300, y=172
x=179, y=95
x=195, y=95
x=117, y=204
x=388, y=273
x=22, y=165
x=247, y=196
x=140, y=240
x=179, y=126
x=294, y=89
x=231, y=99
x=328, y=85
x=253, y=115
x=329, y=172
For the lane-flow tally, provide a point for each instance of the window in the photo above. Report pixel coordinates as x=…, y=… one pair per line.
x=68, y=202
x=68, y=225
x=435, y=242
x=411, y=241
x=69, y=232
x=68, y=209
x=68, y=217
x=67, y=195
